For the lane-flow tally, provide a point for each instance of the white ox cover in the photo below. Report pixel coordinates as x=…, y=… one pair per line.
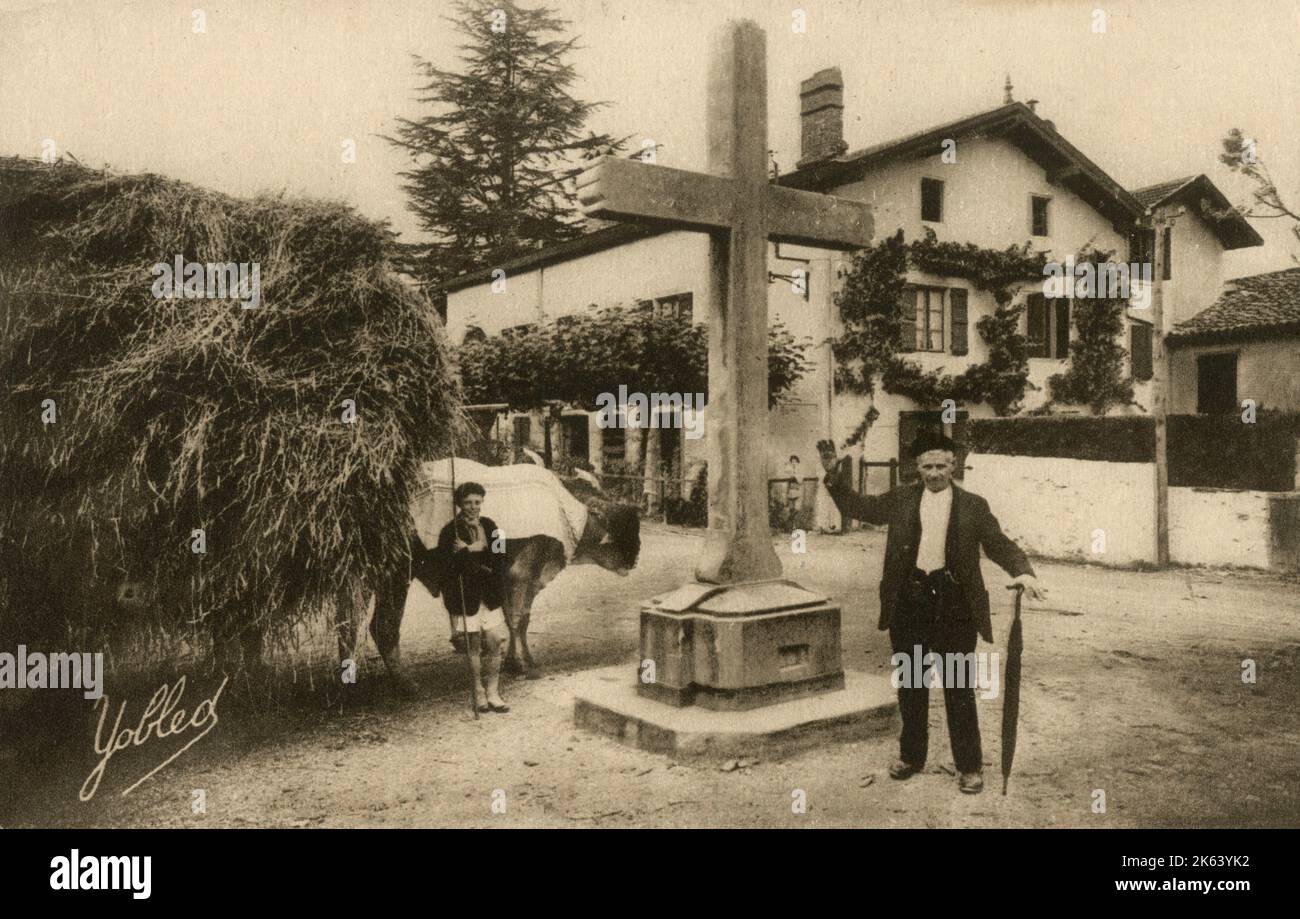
x=523, y=499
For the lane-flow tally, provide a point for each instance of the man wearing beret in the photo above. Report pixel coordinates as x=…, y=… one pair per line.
x=932, y=594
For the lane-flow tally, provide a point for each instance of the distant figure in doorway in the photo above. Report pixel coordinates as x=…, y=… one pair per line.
x=794, y=490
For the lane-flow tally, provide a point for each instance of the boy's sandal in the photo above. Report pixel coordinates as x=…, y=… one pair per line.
x=499, y=708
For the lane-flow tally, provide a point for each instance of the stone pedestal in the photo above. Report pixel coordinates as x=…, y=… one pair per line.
x=732, y=647
x=737, y=669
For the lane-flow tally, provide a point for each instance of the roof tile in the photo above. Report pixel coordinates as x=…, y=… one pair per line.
x=1253, y=304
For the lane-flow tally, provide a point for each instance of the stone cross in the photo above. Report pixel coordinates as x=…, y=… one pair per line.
x=741, y=210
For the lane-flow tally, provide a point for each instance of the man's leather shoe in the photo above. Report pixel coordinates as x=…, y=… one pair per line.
x=903, y=770
x=971, y=783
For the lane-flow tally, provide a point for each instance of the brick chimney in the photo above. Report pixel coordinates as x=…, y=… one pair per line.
x=821, y=117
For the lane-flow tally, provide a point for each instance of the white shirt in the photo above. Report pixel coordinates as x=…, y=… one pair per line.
x=936, y=507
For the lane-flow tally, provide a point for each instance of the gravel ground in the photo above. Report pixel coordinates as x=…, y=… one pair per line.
x=1132, y=688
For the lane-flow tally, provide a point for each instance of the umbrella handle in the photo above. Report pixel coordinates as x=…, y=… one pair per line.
x=1020, y=592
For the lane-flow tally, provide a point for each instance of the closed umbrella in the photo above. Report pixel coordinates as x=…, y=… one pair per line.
x=1011, y=692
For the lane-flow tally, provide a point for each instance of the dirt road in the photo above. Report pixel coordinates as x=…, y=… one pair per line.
x=1132, y=690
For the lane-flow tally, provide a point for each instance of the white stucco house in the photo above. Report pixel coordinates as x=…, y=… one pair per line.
x=1014, y=179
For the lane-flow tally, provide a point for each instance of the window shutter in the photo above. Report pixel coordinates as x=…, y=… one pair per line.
x=907, y=318
x=1036, y=339
x=957, y=297
x=1062, y=328
x=1140, y=351
x=1168, y=244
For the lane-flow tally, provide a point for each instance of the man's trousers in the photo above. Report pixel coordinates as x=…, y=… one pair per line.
x=930, y=614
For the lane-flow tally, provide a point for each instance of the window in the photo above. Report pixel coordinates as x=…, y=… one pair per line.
x=1168, y=245
x=523, y=426
x=1142, y=247
x=929, y=319
x=1216, y=384
x=678, y=306
x=1140, y=350
x=473, y=333
x=612, y=446
x=573, y=437
x=670, y=445
x=921, y=309
x=932, y=200
x=1048, y=327
x=1038, y=215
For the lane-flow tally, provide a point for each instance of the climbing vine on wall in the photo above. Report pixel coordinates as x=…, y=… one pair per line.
x=1095, y=376
x=875, y=330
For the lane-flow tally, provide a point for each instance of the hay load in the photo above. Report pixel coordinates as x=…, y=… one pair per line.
x=130, y=421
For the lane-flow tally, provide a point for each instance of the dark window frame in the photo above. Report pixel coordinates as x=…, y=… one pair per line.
x=676, y=306
x=1216, y=403
x=1033, y=215
x=1055, y=344
x=1142, y=246
x=938, y=186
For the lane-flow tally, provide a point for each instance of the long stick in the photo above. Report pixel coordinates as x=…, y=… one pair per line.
x=460, y=583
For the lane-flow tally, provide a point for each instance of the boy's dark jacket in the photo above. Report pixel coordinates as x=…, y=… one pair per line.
x=480, y=574
x=970, y=526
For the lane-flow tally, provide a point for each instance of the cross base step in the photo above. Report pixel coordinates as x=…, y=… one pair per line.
x=741, y=699
x=606, y=702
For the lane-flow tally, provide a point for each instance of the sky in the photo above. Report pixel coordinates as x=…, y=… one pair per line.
x=265, y=96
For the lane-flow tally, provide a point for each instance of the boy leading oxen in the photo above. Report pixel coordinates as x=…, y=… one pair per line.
x=541, y=527
x=471, y=578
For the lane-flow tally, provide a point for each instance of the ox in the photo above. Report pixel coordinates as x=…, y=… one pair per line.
x=609, y=538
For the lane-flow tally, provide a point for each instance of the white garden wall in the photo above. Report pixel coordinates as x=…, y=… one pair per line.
x=1105, y=512
x=1216, y=526
x=1054, y=507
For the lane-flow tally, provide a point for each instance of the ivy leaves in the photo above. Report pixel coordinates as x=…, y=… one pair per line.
x=574, y=358
x=869, y=306
x=1095, y=376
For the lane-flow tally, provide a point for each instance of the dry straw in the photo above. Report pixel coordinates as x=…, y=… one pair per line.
x=175, y=415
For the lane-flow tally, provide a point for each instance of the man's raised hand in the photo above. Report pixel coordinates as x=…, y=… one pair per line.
x=826, y=450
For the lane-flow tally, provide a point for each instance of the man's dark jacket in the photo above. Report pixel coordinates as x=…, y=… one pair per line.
x=970, y=525
x=481, y=574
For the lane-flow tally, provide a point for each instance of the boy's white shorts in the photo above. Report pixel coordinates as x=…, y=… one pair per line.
x=486, y=619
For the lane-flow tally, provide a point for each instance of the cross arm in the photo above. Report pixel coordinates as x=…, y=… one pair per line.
x=621, y=189
x=811, y=219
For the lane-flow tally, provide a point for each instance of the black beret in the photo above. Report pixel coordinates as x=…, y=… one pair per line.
x=931, y=440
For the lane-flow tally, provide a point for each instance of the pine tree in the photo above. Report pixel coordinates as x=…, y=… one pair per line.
x=495, y=159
